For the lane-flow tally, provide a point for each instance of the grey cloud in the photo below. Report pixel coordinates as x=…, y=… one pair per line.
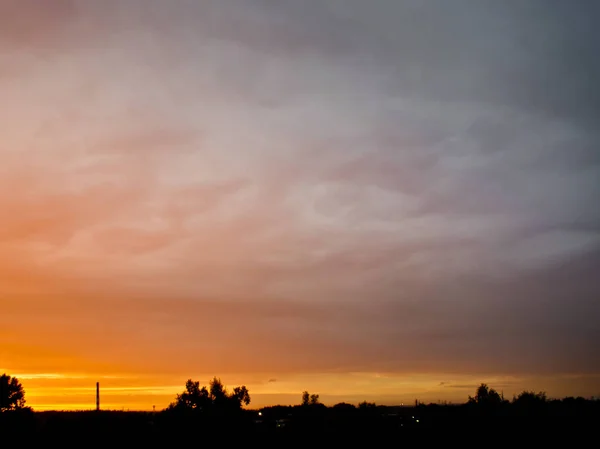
x=404, y=185
x=476, y=51
x=535, y=56
x=33, y=24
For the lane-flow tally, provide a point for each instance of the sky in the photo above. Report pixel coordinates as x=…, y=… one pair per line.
x=386, y=200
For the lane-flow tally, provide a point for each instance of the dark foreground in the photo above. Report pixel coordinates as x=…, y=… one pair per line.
x=564, y=422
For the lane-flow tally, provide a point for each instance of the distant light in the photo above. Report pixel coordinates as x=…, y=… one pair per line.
x=417, y=420
x=259, y=413
x=412, y=417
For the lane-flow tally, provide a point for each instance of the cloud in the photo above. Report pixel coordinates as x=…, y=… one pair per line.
x=403, y=186
x=32, y=24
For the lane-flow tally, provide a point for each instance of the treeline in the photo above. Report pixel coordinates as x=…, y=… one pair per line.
x=203, y=414
x=216, y=399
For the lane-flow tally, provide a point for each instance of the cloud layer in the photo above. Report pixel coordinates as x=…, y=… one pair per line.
x=299, y=187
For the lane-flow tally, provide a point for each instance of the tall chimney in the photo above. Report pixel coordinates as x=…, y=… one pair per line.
x=98, y=396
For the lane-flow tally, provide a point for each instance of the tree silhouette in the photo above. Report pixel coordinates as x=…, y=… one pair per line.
x=486, y=396
x=12, y=394
x=241, y=395
x=218, y=392
x=213, y=398
x=364, y=405
x=344, y=406
x=310, y=399
x=305, y=398
x=193, y=397
x=530, y=399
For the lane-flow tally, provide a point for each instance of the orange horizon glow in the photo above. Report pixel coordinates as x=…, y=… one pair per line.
x=68, y=392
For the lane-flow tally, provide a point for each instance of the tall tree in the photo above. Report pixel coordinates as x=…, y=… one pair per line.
x=241, y=395
x=305, y=398
x=12, y=394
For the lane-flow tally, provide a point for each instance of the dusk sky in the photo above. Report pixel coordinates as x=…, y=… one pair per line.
x=380, y=200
